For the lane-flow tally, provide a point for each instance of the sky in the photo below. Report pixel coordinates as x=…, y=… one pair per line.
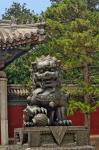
x=36, y=5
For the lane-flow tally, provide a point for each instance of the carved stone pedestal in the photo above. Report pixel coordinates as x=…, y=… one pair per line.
x=53, y=138
x=15, y=147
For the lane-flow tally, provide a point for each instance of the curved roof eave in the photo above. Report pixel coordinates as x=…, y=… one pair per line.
x=15, y=40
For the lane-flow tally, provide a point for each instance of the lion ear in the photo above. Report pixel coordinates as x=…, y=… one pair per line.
x=34, y=66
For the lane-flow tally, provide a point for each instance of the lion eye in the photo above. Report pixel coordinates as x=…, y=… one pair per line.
x=52, y=69
x=41, y=70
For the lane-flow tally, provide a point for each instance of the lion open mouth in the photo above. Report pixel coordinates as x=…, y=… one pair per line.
x=48, y=82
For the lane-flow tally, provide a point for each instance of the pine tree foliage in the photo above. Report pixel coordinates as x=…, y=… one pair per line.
x=91, y=4
x=73, y=30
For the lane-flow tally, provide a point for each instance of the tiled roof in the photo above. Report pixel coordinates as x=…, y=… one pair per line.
x=21, y=91
x=17, y=39
x=17, y=90
x=12, y=35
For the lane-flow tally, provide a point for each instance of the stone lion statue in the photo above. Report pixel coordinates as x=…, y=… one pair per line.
x=47, y=103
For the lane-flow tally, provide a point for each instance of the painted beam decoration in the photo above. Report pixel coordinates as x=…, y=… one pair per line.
x=17, y=39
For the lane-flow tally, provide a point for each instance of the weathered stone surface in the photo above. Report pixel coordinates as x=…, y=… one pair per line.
x=15, y=147
x=46, y=97
x=52, y=135
x=94, y=140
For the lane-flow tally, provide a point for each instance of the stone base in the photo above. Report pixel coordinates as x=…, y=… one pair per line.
x=64, y=148
x=53, y=138
x=94, y=140
x=17, y=147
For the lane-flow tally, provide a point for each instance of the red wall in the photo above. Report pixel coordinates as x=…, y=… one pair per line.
x=77, y=119
x=15, y=119
x=95, y=122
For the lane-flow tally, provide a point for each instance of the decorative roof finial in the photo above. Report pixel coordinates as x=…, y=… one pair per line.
x=33, y=21
x=13, y=20
x=40, y=19
x=27, y=22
